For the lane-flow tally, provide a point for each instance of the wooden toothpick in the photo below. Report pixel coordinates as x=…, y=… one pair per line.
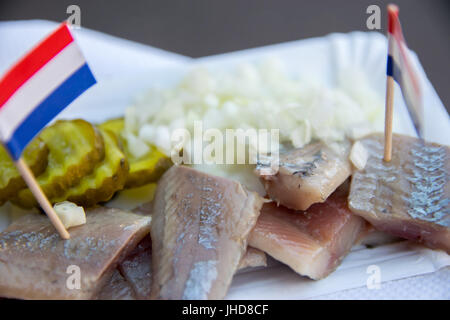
x=41, y=198
x=388, y=119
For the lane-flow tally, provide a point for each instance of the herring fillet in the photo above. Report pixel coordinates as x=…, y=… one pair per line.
x=308, y=175
x=132, y=278
x=409, y=196
x=117, y=288
x=136, y=268
x=253, y=258
x=34, y=259
x=311, y=242
x=136, y=271
x=199, y=233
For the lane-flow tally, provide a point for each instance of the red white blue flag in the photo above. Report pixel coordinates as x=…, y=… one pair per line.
x=400, y=67
x=39, y=86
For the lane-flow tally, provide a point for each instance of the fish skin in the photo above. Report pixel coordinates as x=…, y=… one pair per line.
x=408, y=197
x=34, y=259
x=252, y=257
x=136, y=268
x=117, y=288
x=308, y=175
x=312, y=242
x=199, y=233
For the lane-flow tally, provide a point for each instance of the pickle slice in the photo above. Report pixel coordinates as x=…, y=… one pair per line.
x=35, y=155
x=143, y=170
x=114, y=125
x=76, y=147
x=148, y=168
x=108, y=177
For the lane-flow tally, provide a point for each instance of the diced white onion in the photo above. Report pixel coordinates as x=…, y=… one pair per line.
x=259, y=96
x=70, y=214
x=359, y=155
x=136, y=146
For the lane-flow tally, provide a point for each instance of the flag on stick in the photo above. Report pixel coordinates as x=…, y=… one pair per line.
x=400, y=69
x=38, y=87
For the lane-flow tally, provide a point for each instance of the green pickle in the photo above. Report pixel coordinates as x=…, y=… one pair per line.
x=143, y=170
x=107, y=178
x=76, y=147
x=113, y=125
x=35, y=156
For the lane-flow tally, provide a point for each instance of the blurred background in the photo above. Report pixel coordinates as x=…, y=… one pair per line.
x=204, y=27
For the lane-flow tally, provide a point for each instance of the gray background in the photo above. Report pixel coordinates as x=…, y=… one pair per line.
x=205, y=27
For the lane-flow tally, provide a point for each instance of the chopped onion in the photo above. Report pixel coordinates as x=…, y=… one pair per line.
x=259, y=96
x=70, y=214
x=359, y=155
x=255, y=96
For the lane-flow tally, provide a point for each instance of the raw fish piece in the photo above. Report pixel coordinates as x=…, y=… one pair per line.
x=253, y=258
x=34, y=260
x=137, y=269
x=137, y=266
x=199, y=233
x=308, y=175
x=117, y=288
x=408, y=197
x=312, y=242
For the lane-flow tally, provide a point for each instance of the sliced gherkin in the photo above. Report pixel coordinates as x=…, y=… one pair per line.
x=143, y=170
x=148, y=168
x=114, y=125
x=35, y=155
x=76, y=147
x=108, y=177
